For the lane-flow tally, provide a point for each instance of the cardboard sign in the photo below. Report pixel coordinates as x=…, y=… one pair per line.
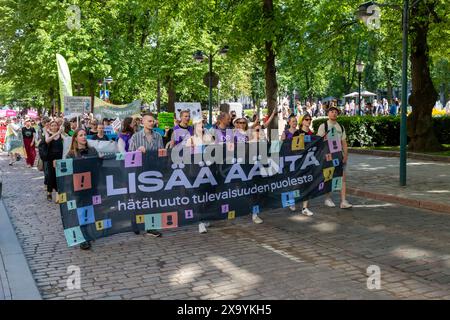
x=76, y=106
x=194, y=108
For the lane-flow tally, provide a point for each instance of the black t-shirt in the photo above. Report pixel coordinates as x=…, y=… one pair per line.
x=104, y=138
x=28, y=133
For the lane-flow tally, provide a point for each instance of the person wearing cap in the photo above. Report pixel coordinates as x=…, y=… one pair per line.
x=324, y=129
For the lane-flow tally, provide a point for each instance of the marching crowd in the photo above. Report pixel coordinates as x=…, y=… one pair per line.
x=141, y=134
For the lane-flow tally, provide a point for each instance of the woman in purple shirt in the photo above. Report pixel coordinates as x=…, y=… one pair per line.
x=240, y=131
x=125, y=135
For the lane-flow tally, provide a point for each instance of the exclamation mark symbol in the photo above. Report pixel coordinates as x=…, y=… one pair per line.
x=74, y=236
x=153, y=221
x=132, y=158
x=334, y=145
x=85, y=216
x=82, y=182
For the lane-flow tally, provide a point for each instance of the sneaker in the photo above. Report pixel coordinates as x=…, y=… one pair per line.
x=49, y=197
x=153, y=233
x=257, y=219
x=85, y=245
x=202, y=228
x=292, y=208
x=18, y=157
x=307, y=212
x=329, y=203
x=346, y=205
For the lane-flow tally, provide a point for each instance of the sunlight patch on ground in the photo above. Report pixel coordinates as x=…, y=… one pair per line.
x=325, y=226
x=300, y=218
x=438, y=191
x=186, y=274
x=373, y=205
x=410, y=252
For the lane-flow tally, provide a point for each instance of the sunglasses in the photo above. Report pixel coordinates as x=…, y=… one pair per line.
x=306, y=119
x=241, y=122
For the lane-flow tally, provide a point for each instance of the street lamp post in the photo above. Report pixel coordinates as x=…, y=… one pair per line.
x=199, y=57
x=363, y=14
x=360, y=70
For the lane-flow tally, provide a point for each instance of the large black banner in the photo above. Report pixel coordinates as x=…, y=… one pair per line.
x=156, y=191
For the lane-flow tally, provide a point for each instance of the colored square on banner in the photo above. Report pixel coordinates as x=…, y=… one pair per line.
x=336, y=184
x=321, y=186
x=275, y=146
x=328, y=174
x=328, y=157
x=298, y=143
x=331, y=133
x=225, y=208
x=169, y=220
x=120, y=156
x=64, y=167
x=152, y=221
x=96, y=200
x=86, y=215
x=162, y=153
x=255, y=210
x=189, y=214
x=133, y=159
x=74, y=236
x=82, y=181
x=287, y=199
x=107, y=223
x=62, y=197
x=99, y=225
x=335, y=145
x=71, y=205
x=307, y=138
x=297, y=194
x=336, y=162
x=231, y=215
x=140, y=218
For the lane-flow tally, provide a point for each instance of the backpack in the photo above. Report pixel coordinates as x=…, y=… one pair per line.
x=43, y=150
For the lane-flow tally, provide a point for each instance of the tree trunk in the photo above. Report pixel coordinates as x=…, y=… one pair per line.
x=270, y=71
x=424, y=95
x=171, y=93
x=158, y=95
x=92, y=90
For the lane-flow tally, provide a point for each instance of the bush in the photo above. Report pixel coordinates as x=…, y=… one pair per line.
x=382, y=130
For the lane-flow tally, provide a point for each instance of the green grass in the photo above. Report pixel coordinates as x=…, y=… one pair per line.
x=446, y=152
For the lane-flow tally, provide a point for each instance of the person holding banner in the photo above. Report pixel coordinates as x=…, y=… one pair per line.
x=125, y=135
x=144, y=141
x=79, y=149
x=29, y=142
x=305, y=123
x=289, y=134
x=54, y=140
x=223, y=132
x=182, y=131
x=332, y=127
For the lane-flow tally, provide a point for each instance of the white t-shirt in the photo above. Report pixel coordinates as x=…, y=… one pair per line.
x=332, y=125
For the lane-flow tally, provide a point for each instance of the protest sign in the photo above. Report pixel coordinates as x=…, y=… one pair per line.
x=32, y=114
x=103, y=109
x=2, y=133
x=165, y=119
x=76, y=106
x=135, y=191
x=194, y=108
x=116, y=124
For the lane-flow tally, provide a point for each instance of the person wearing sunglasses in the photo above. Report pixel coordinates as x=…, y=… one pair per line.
x=240, y=131
x=305, y=128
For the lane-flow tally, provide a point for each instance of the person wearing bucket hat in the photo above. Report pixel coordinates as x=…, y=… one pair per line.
x=332, y=127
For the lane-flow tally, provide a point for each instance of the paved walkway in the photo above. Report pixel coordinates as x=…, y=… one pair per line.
x=426, y=180
x=287, y=257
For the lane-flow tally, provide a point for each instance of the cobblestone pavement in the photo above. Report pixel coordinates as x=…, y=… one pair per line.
x=287, y=257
